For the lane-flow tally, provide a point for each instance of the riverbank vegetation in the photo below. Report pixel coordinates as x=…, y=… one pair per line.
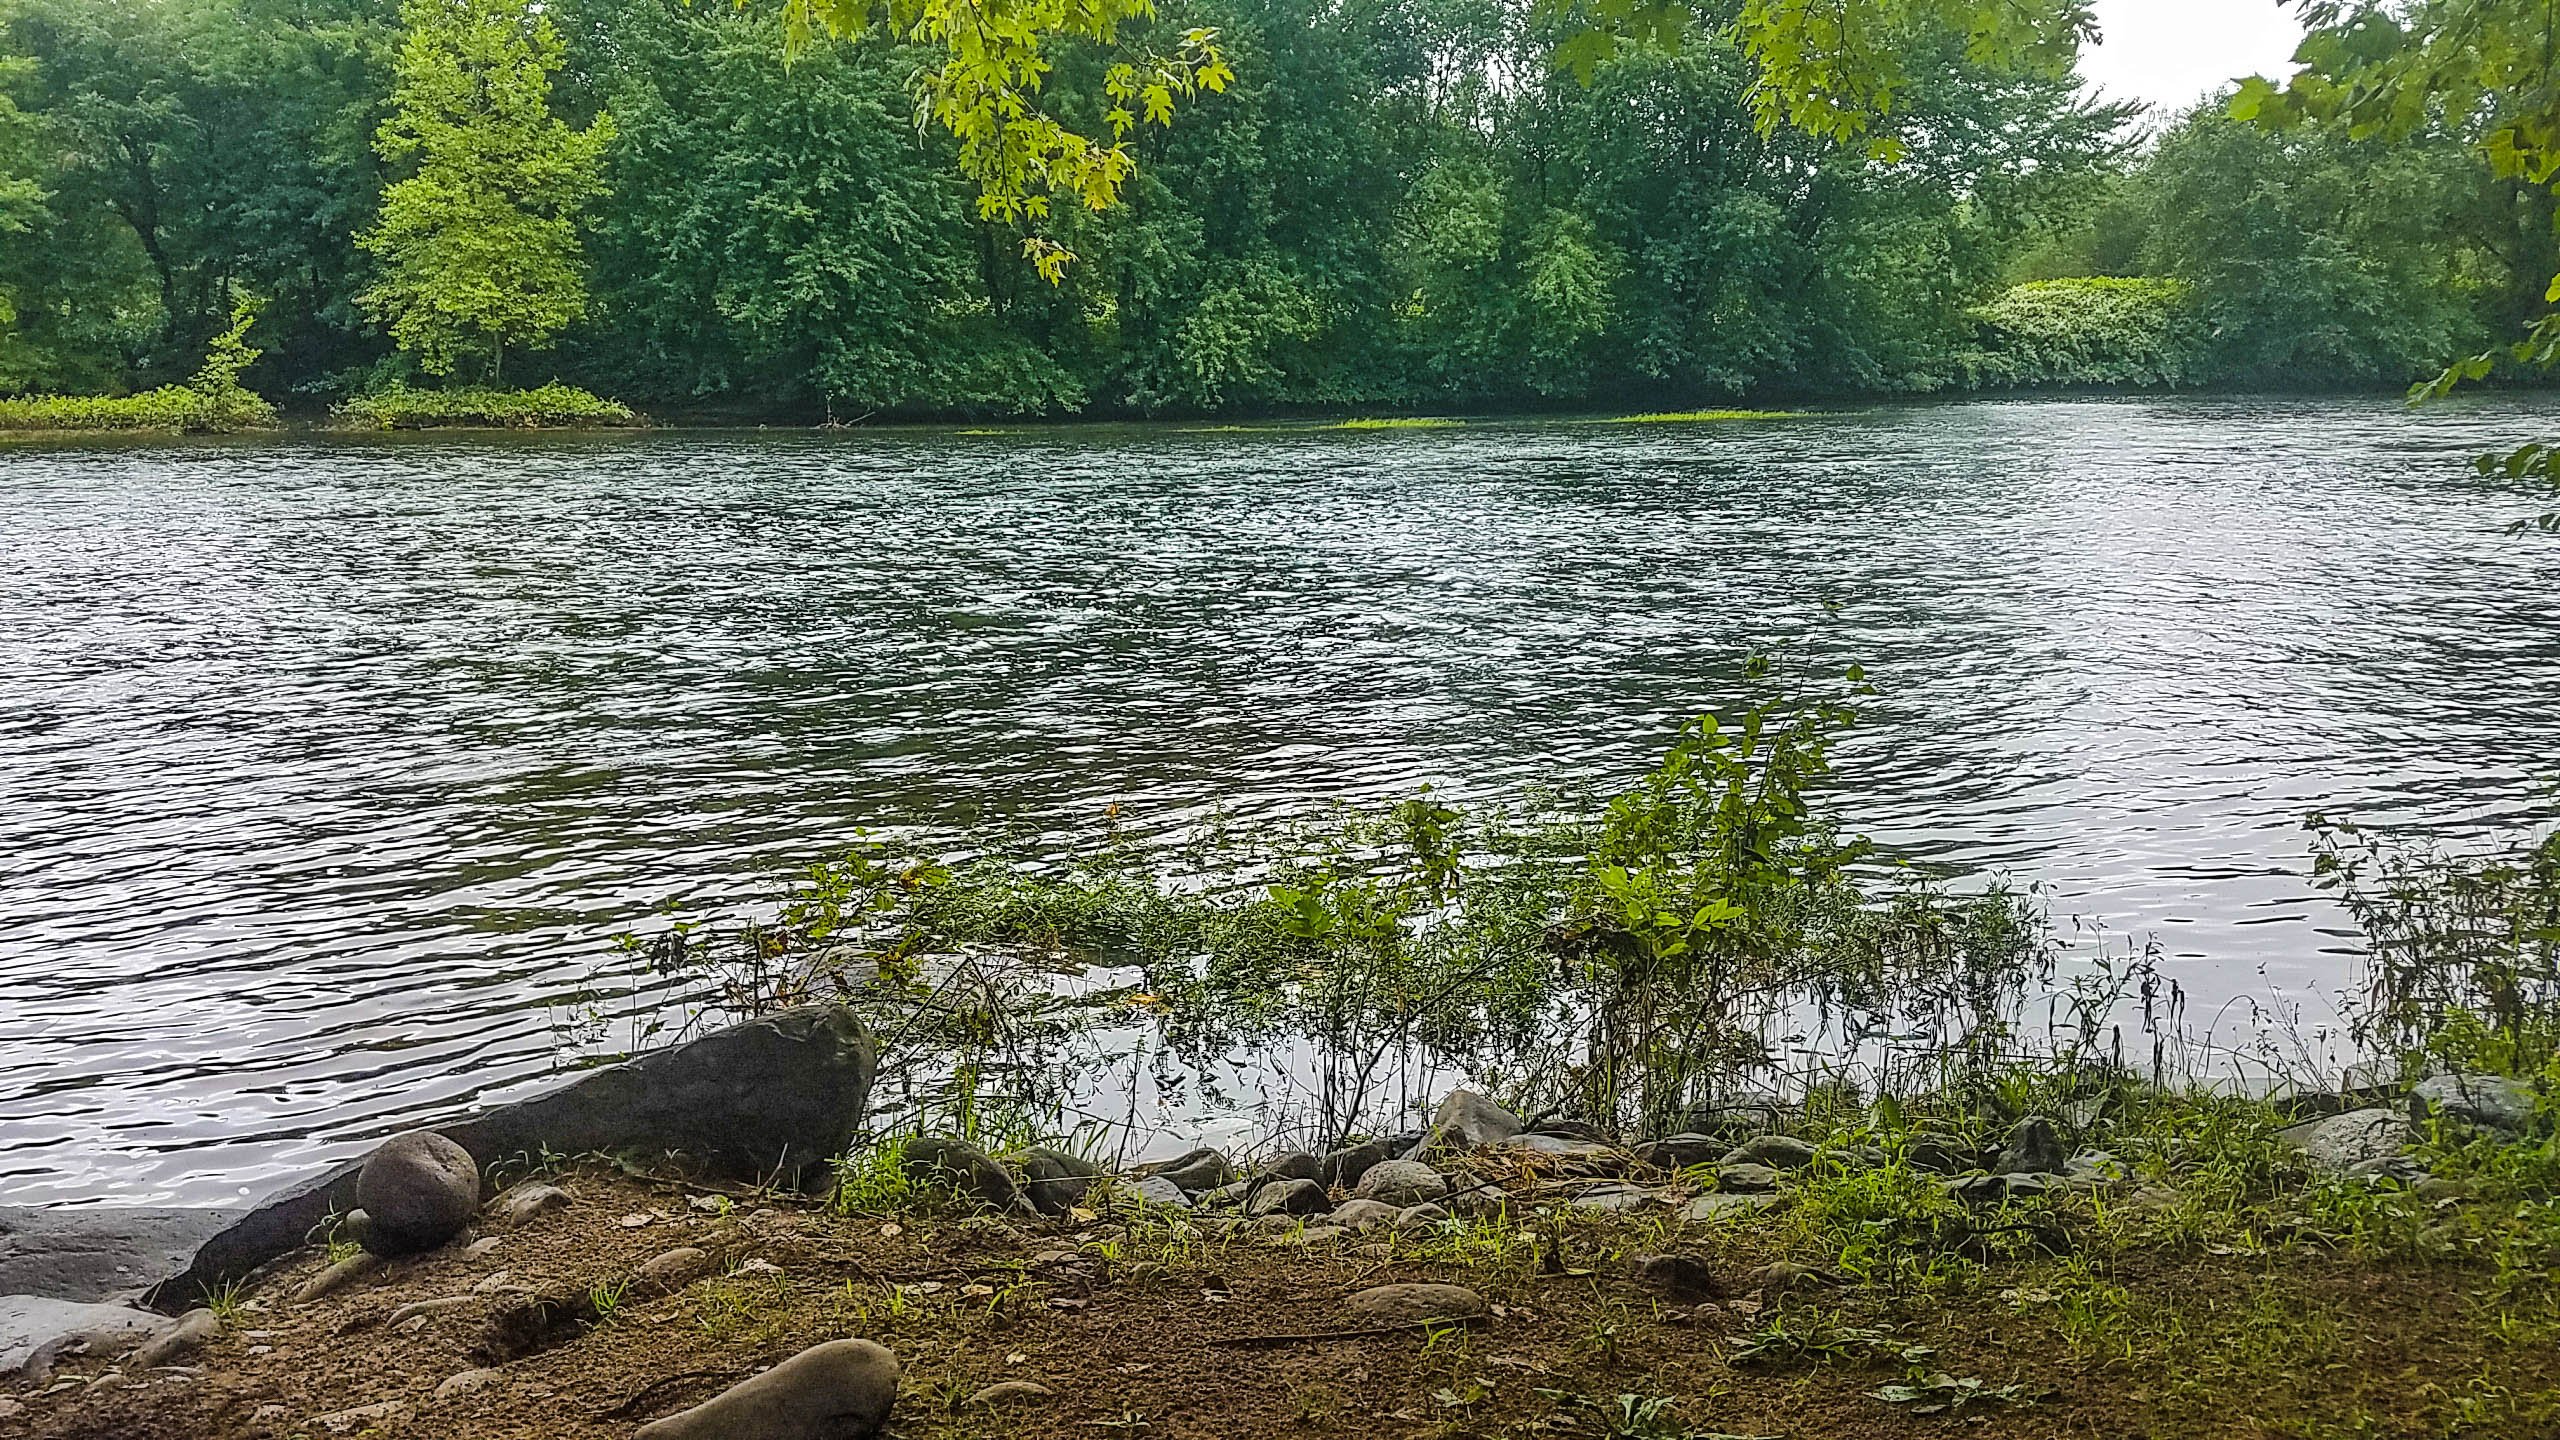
x=552, y=407
x=1414, y=209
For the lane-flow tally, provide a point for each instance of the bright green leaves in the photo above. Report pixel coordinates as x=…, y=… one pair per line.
x=479, y=244
x=988, y=93
x=1838, y=68
x=1606, y=28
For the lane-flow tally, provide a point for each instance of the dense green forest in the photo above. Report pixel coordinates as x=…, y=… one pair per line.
x=1395, y=204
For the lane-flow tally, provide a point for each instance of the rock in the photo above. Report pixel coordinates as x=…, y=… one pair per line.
x=363, y=1417
x=1586, y=1153
x=1055, y=1181
x=1725, y=1205
x=841, y=1390
x=1225, y=1197
x=1938, y=1154
x=337, y=1277
x=1777, y=1152
x=1785, y=1277
x=469, y=1382
x=418, y=1191
x=1414, y=1304
x=437, y=1306
x=675, y=1269
x=193, y=1331
x=98, y=1253
x=2336, y=1142
x=1288, y=1197
x=1742, y=1178
x=1157, y=1190
x=1613, y=1199
x=1402, y=1182
x=1293, y=1166
x=2483, y=1102
x=1320, y=1234
x=519, y=1205
x=1345, y=1166
x=1363, y=1215
x=960, y=1167
x=1999, y=1189
x=1013, y=1392
x=35, y=1330
x=1736, y=1122
x=1425, y=1213
x=1679, y=1152
x=1200, y=1171
x=2398, y=1169
x=2034, y=1148
x=1682, y=1279
x=1466, y=1121
x=774, y=1100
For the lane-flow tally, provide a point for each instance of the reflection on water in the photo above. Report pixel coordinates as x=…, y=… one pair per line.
x=326, y=767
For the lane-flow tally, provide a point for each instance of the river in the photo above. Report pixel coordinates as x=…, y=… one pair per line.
x=329, y=766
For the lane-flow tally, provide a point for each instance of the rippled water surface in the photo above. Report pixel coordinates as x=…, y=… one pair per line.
x=327, y=767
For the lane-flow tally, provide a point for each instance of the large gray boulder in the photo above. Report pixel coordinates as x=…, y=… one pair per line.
x=1402, y=1182
x=776, y=1098
x=841, y=1390
x=1466, y=1121
x=2340, y=1142
x=2493, y=1103
x=417, y=1192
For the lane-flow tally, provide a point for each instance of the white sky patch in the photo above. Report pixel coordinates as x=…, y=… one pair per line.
x=2173, y=53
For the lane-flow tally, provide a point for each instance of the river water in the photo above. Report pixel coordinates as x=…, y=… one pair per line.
x=328, y=767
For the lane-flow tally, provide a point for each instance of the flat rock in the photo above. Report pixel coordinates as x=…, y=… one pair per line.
x=1413, y=1304
x=1614, y=1199
x=362, y=1417
x=673, y=1270
x=1572, y=1150
x=1776, y=1152
x=337, y=1277
x=1425, y=1213
x=1200, y=1171
x=1679, y=1152
x=96, y=1253
x=2338, y=1142
x=1724, y=1205
x=520, y=1205
x=1013, y=1392
x=1738, y=1120
x=1402, y=1182
x=774, y=1100
x=2486, y=1102
x=469, y=1382
x=1288, y=1197
x=1157, y=1190
x=1225, y=1197
x=36, y=1328
x=841, y=1390
x=1744, y=1178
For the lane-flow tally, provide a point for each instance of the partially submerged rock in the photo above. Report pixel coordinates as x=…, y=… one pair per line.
x=35, y=1331
x=841, y=1390
x=98, y=1253
x=417, y=1192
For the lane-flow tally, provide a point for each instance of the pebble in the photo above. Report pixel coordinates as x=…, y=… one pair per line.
x=841, y=1390
x=675, y=1269
x=1725, y=1204
x=522, y=1204
x=421, y=1309
x=342, y=1421
x=1414, y=1304
x=1425, y=1213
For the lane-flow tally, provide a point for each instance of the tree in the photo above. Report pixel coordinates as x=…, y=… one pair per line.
x=479, y=243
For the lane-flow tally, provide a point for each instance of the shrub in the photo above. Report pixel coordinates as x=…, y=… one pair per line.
x=551, y=407
x=213, y=401
x=2142, y=334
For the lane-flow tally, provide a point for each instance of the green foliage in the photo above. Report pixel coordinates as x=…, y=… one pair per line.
x=551, y=407
x=2138, y=334
x=213, y=401
x=479, y=243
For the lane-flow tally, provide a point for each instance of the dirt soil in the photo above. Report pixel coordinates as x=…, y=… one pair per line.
x=1143, y=1333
